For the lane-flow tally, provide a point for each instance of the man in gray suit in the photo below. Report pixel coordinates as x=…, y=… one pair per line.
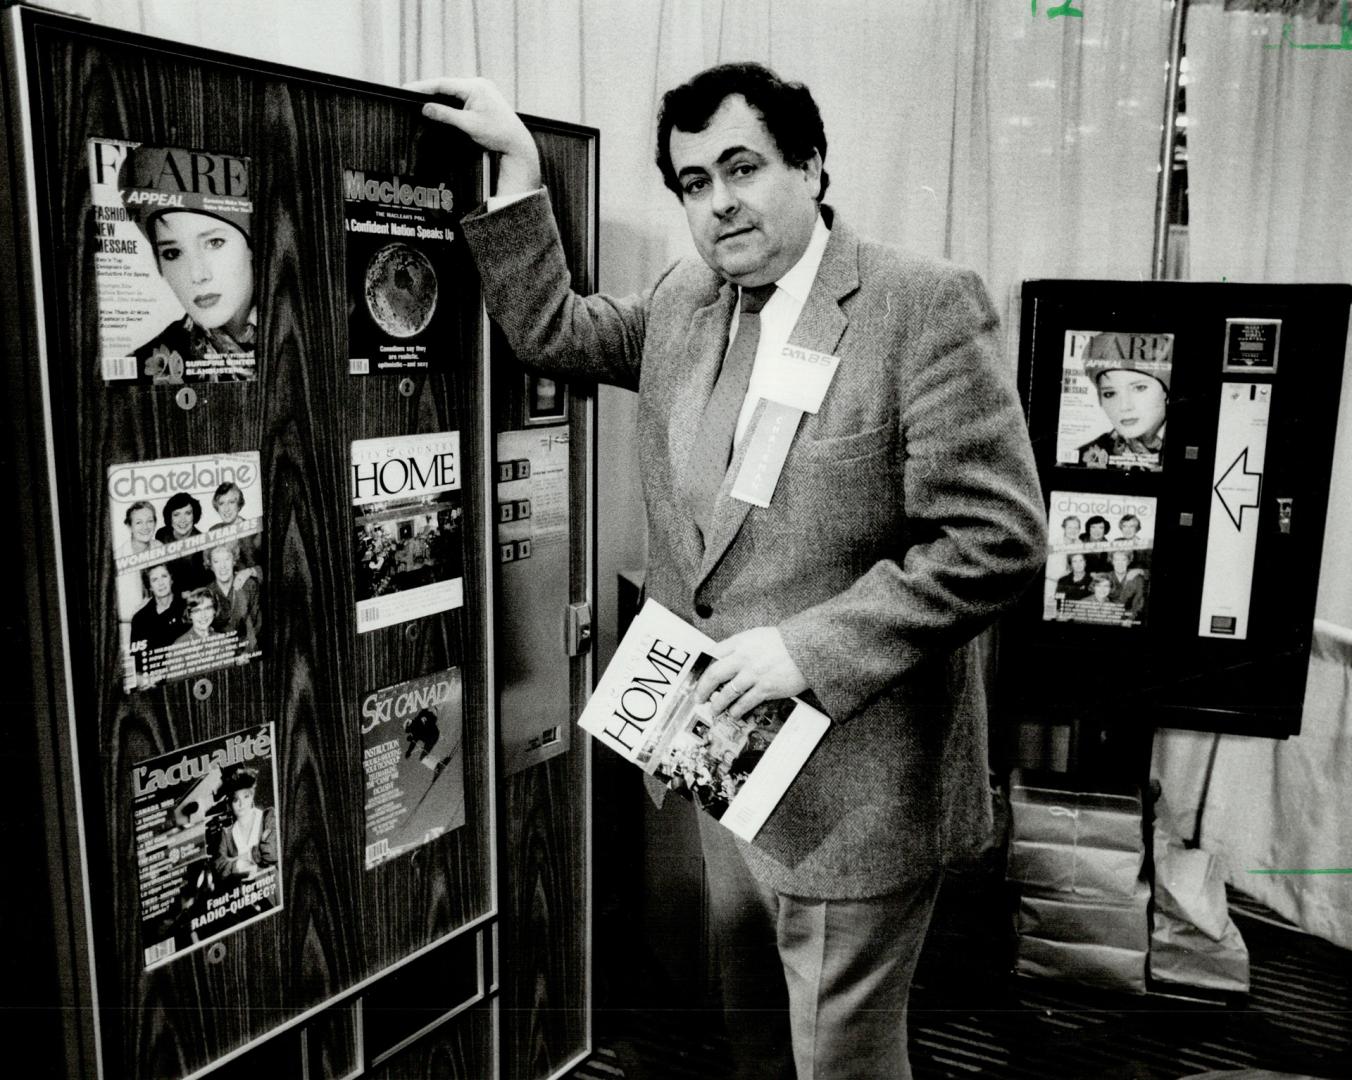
x=906, y=515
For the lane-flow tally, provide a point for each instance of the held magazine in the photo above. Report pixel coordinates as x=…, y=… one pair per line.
x=644, y=709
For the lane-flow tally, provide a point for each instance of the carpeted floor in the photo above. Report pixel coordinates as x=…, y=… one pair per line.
x=1296, y=1019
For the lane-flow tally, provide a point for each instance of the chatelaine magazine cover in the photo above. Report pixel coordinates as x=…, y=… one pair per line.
x=207, y=841
x=187, y=554
x=407, y=518
x=399, y=233
x=1114, y=399
x=1099, y=562
x=413, y=754
x=644, y=709
x=172, y=236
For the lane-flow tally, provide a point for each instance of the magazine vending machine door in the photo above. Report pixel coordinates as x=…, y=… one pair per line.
x=247, y=414
x=1184, y=436
x=545, y=492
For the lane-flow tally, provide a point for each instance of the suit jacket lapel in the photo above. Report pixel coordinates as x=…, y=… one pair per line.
x=820, y=326
x=705, y=343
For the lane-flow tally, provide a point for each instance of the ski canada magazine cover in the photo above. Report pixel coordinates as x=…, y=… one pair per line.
x=187, y=554
x=413, y=755
x=172, y=235
x=407, y=535
x=399, y=235
x=208, y=842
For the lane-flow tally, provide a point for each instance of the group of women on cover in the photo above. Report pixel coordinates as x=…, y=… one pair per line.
x=200, y=595
x=1107, y=579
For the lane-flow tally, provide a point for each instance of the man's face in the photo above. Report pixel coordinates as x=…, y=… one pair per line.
x=750, y=213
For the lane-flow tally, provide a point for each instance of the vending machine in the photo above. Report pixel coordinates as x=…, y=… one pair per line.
x=1184, y=437
x=301, y=572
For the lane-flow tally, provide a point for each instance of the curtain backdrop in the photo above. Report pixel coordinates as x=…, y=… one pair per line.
x=1268, y=163
x=1020, y=145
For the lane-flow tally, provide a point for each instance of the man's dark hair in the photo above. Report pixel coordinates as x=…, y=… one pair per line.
x=787, y=109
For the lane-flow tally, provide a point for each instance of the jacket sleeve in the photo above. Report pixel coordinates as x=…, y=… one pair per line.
x=974, y=532
x=528, y=292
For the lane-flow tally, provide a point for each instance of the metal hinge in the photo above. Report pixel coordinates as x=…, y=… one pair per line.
x=577, y=628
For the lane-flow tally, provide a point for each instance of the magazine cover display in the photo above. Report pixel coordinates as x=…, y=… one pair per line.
x=207, y=841
x=644, y=708
x=1114, y=396
x=187, y=554
x=173, y=263
x=1098, y=565
x=407, y=517
x=399, y=234
x=413, y=755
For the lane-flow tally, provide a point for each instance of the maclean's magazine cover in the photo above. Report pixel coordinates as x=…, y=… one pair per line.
x=187, y=554
x=399, y=235
x=644, y=709
x=207, y=841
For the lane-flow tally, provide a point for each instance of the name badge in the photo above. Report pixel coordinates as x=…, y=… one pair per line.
x=799, y=378
x=768, y=446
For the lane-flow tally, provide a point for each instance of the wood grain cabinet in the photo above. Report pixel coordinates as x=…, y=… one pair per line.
x=467, y=954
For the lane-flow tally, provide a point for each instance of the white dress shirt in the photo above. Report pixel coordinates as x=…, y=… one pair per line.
x=778, y=318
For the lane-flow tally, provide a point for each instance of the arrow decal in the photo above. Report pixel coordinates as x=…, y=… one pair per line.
x=1241, y=488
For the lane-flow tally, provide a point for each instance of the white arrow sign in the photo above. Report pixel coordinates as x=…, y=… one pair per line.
x=1239, y=490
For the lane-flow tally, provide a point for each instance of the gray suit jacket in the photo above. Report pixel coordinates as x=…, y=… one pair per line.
x=907, y=516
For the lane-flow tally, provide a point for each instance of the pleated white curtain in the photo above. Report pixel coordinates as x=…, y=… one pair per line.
x=1019, y=145
x=1268, y=162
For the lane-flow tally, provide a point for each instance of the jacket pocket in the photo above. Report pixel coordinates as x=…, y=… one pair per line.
x=852, y=447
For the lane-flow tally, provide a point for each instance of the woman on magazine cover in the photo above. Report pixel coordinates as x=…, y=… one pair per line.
x=206, y=258
x=229, y=502
x=1133, y=395
x=249, y=845
x=182, y=512
x=237, y=606
x=201, y=609
x=140, y=522
x=1076, y=585
x=162, y=619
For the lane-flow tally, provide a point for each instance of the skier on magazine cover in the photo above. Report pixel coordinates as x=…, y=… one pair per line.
x=1134, y=395
x=206, y=258
x=907, y=516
